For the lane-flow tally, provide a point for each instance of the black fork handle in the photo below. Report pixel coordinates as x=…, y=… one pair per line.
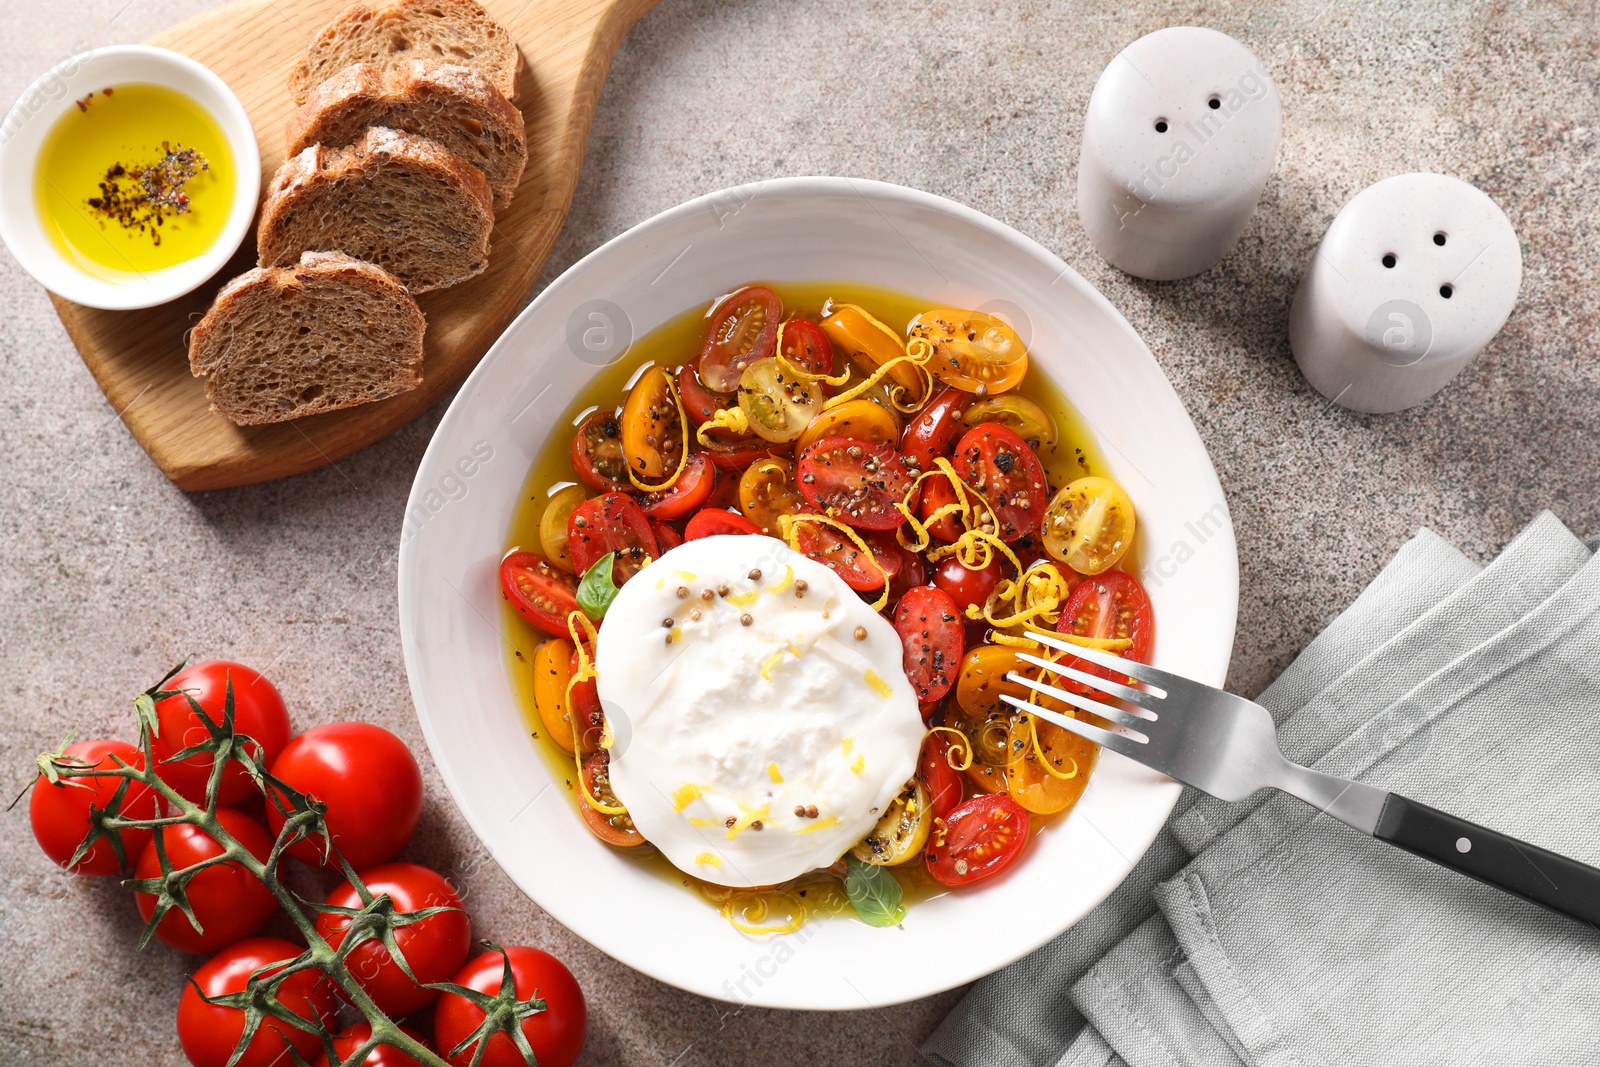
x=1557, y=882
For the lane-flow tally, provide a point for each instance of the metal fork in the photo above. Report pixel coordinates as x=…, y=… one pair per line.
x=1227, y=746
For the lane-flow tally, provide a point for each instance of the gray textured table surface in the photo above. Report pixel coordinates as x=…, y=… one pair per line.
x=109, y=574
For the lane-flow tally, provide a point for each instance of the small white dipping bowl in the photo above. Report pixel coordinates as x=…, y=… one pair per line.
x=34, y=115
x=470, y=481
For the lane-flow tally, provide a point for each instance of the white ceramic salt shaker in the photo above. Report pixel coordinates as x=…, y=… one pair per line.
x=1179, y=140
x=1415, y=276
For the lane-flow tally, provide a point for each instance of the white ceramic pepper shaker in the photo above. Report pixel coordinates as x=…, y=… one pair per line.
x=1179, y=140
x=1415, y=276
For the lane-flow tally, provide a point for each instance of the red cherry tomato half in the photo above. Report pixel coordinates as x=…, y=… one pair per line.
x=997, y=463
x=967, y=588
x=909, y=574
x=208, y=1033
x=667, y=537
x=930, y=628
x=434, y=948
x=807, y=347
x=690, y=491
x=346, y=1041
x=611, y=523
x=542, y=595
x=1109, y=605
x=943, y=781
x=839, y=554
x=743, y=329
x=612, y=829
x=713, y=521
x=937, y=492
x=738, y=454
x=59, y=813
x=229, y=901
x=597, y=455
x=857, y=482
x=928, y=435
x=699, y=403
x=258, y=712
x=370, y=783
x=585, y=708
x=555, y=1034
x=979, y=839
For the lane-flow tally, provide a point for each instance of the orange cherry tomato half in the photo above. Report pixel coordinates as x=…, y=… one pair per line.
x=612, y=829
x=767, y=491
x=996, y=463
x=541, y=594
x=610, y=523
x=713, y=521
x=743, y=329
x=978, y=840
x=858, y=482
x=652, y=434
x=597, y=456
x=690, y=491
x=930, y=629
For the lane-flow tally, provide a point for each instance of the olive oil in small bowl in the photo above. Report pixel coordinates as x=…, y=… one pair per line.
x=129, y=179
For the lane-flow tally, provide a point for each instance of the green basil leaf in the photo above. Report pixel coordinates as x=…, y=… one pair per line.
x=874, y=892
x=596, y=590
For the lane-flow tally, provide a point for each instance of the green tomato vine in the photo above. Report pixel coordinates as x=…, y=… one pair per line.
x=375, y=920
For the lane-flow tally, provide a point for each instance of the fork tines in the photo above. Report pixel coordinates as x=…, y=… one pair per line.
x=1150, y=700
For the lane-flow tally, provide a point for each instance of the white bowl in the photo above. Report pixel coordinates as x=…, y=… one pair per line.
x=35, y=113
x=460, y=510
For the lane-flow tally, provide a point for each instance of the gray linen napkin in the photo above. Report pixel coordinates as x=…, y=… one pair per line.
x=1019, y=1016
x=1294, y=940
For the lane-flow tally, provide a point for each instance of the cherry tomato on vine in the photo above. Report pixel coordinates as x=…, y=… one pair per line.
x=229, y=901
x=979, y=839
x=611, y=523
x=968, y=588
x=612, y=829
x=208, y=1032
x=542, y=595
x=434, y=948
x=346, y=1041
x=370, y=783
x=943, y=781
x=929, y=433
x=930, y=628
x=710, y=522
x=258, y=712
x=857, y=482
x=59, y=813
x=743, y=329
x=555, y=1034
x=994, y=461
x=690, y=491
x=597, y=456
x=1111, y=605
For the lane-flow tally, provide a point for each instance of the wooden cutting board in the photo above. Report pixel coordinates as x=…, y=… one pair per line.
x=140, y=358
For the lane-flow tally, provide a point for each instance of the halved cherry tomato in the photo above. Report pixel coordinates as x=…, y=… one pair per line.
x=690, y=491
x=776, y=403
x=937, y=492
x=726, y=493
x=552, y=670
x=553, y=524
x=943, y=780
x=912, y=572
x=807, y=347
x=979, y=839
x=585, y=707
x=901, y=830
x=862, y=337
x=610, y=523
x=980, y=684
x=767, y=490
x=930, y=628
x=612, y=829
x=995, y=462
x=744, y=328
x=541, y=594
x=839, y=554
x=858, y=482
x=710, y=522
x=1027, y=780
x=652, y=433
x=929, y=433
x=1018, y=414
x=1089, y=525
x=1110, y=605
x=972, y=350
x=699, y=403
x=988, y=777
x=861, y=418
x=667, y=537
x=739, y=453
x=597, y=452
x=967, y=588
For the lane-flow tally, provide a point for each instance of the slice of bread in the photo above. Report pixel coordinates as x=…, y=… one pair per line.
x=455, y=106
x=390, y=32
x=393, y=199
x=328, y=333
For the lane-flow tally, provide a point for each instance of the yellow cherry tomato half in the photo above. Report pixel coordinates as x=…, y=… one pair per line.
x=552, y=669
x=901, y=831
x=1089, y=525
x=1027, y=780
x=864, y=338
x=972, y=349
x=652, y=437
x=767, y=489
x=553, y=524
x=863, y=419
x=777, y=405
x=1018, y=414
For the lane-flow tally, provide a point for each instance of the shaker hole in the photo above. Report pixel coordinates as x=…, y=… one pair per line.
x=1161, y=125
x=1438, y=239
x=1214, y=103
x=1447, y=290
x=1389, y=260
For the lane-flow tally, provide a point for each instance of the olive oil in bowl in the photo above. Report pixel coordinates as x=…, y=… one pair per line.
x=135, y=179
